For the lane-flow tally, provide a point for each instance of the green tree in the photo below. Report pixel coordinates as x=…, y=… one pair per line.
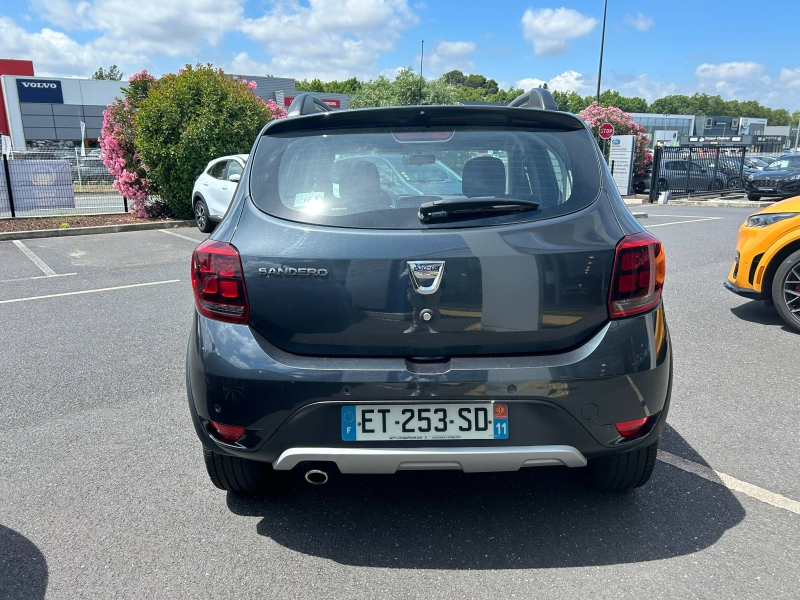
x=613, y=98
x=190, y=118
x=348, y=86
x=112, y=74
x=408, y=88
x=454, y=78
x=570, y=101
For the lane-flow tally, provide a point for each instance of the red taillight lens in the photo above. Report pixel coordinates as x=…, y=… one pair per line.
x=639, y=270
x=226, y=433
x=629, y=429
x=218, y=283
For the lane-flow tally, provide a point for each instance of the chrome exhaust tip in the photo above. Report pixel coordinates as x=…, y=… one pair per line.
x=316, y=477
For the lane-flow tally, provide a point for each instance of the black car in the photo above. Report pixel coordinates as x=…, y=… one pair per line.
x=515, y=323
x=780, y=179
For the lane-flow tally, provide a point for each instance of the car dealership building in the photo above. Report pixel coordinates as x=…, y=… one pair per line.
x=59, y=112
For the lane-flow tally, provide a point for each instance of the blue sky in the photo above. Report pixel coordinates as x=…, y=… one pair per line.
x=652, y=49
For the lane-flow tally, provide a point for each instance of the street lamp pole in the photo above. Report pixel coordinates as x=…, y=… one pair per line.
x=602, y=44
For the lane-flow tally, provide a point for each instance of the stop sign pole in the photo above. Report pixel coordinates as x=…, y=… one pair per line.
x=606, y=131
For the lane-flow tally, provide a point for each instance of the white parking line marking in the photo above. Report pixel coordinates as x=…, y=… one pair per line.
x=36, y=260
x=681, y=222
x=682, y=216
x=737, y=485
x=108, y=289
x=185, y=237
x=36, y=277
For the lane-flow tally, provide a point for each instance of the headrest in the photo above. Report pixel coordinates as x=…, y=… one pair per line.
x=484, y=176
x=359, y=179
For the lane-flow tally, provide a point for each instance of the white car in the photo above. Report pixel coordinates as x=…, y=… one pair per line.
x=214, y=189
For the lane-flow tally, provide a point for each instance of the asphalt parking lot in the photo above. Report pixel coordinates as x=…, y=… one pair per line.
x=103, y=493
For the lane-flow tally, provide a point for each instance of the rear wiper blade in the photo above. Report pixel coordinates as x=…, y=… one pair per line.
x=449, y=207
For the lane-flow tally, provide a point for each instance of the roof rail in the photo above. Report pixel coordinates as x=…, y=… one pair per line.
x=536, y=98
x=306, y=104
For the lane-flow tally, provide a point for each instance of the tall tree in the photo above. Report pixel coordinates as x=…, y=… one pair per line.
x=407, y=88
x=112, y=74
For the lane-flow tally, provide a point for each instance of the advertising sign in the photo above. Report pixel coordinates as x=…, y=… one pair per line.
x=331, y=103
x=40, y=90
x=6, y=144
x=38, y=184
x=620, y=160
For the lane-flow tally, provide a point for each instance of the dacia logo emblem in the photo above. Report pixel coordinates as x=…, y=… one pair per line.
x=426, y=275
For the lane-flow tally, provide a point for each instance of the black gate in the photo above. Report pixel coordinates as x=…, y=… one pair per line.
x=56, y=183
x=697, y=170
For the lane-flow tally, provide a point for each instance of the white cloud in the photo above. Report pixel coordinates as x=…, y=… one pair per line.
x=728, y=79
x=330, y=39
x=790, y=78
x=448, y=56
x=640, y=21
x=55, y=53
x=568, y=81
x=549, y=29
x=157, y=27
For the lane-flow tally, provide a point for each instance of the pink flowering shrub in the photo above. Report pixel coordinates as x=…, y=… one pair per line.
x=117, y=142
x=596, y=115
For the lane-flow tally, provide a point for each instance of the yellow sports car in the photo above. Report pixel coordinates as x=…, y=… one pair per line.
x=767, y=265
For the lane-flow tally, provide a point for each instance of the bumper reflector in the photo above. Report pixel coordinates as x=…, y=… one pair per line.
x=629, y=429
x=226, y=433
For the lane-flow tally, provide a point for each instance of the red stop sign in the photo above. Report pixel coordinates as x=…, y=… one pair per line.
x=606, y=131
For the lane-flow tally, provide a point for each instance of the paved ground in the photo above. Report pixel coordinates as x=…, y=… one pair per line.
x=103, y=493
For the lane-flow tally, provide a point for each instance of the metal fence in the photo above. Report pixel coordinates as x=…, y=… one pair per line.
x=57, y=182
x=697, y=171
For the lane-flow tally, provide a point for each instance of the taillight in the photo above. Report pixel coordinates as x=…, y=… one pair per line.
x=218, y=283
x=639, y=270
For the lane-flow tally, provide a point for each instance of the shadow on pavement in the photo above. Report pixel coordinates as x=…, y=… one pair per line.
x=535, y=518
x=756, y=311
x=23, y=569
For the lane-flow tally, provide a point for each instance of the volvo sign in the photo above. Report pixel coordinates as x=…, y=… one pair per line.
x=43, y=91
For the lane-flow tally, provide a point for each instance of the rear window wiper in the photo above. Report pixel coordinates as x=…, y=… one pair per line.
x=450, y=207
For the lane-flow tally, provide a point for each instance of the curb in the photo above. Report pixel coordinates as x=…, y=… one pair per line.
x=639, y=215
x=69, y=231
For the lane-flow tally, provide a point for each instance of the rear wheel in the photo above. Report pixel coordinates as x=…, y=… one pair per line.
x=620, y=472
x=786, y=290
x=204, y=223
x=234, y=474
x=734, y=183
x=753, y=197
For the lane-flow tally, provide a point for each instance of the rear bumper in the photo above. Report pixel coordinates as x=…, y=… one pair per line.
x=469, y=460
x=562, y=407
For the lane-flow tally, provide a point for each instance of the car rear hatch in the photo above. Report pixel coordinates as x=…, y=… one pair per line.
x=338, y=261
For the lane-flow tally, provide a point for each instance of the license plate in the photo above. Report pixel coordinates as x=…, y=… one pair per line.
x=361, y=423
x=766, y=189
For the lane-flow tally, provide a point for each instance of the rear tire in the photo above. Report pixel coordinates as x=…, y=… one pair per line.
x=785, y=284
x=238, y=475
x=753, y=197
x=620, y=472
x=204, y=222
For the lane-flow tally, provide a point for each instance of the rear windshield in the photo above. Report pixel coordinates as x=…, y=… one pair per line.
x=377, y=178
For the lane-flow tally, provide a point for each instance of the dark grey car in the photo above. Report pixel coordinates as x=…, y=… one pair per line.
x=516, y=321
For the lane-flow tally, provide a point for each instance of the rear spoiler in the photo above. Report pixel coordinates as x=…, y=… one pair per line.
x=536, y=98
x=306, y=104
